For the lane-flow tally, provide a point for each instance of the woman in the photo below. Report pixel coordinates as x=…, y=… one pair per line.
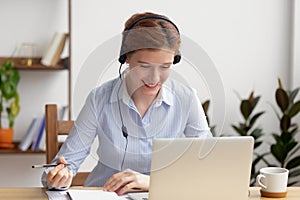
x=127, y=113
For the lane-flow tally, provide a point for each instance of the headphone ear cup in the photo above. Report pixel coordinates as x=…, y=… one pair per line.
x=177, y=59
x=122, y=58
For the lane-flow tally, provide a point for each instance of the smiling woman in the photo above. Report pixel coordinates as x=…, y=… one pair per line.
x=127, y=113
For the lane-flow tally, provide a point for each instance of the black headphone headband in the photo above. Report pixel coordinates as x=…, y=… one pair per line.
x=122, y=57
x=151, y=17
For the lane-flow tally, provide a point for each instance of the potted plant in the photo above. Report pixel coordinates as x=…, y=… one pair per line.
x=9, y=102
x=285, y=150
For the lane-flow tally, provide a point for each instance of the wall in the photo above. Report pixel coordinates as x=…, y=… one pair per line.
x=248, y=41
x=296, y=45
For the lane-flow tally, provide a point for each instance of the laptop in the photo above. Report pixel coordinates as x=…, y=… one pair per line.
x=194, y=168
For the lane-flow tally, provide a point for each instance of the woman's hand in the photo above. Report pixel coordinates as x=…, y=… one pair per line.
x=126, y=180
x=60, y=176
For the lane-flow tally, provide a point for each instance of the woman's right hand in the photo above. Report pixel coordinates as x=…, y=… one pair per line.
x=60, y=176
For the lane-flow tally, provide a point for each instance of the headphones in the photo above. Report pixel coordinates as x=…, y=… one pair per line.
x=123, y=57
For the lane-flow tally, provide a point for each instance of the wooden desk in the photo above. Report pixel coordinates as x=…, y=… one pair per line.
x=39, y=194
x=293, y=194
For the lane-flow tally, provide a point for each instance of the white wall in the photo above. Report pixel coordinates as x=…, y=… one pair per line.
x=249, y=42
x=296, y=45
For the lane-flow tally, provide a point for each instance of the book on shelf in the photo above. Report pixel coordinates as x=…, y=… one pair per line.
x=63, y=113
x=38, y=135
x=42, y=143
x=30, y=134
x=54, y=50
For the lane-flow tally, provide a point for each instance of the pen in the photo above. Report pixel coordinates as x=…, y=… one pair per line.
x=69, y=196
x=48, y=165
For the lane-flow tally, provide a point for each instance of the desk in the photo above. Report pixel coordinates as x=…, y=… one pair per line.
x=39, y=194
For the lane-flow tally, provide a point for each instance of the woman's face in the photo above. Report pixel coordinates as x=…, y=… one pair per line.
x=148, y=70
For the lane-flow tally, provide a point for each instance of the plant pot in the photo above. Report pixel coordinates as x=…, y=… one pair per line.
x=6, y=138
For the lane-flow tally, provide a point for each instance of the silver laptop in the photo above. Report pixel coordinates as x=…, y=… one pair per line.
x=192, y=168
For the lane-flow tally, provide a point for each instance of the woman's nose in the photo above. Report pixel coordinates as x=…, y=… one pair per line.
x=154, y=75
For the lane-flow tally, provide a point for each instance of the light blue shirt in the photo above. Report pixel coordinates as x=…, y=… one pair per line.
x=176, y=112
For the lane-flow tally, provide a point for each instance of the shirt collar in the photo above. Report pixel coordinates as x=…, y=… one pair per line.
x=120, y=92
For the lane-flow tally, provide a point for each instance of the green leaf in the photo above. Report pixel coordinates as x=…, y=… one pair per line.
x=276, y=137
x=293, y=94
x=8, y=90
x=15, y=108
x=205, y=106
x=246, y=108
x=292, y=183
x=239, y=131
x=256, y=133
x=294, y=173
x=290, y=146
x=285, y=123
x=10, y=117
x=285, y=137
x=257, y=144
x=255, y=101
x=278, y=152
x=291, y=153
x=295, y=162
x=254, y=118
x=294, y=109
x=282, y=99
x=294, y=131
x=8, y=65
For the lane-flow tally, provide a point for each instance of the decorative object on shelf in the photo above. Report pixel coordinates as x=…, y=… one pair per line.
x=27, y=52
x=246, y=128
x=9, y=102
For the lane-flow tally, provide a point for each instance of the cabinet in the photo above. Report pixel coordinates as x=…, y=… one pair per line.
x=36, y=22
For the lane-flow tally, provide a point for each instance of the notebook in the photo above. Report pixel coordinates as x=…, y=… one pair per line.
x=193, y=168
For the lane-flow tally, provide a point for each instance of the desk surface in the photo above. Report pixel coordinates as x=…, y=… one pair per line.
x=39, y=194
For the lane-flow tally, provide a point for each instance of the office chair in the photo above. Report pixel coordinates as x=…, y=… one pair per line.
x=55, y=127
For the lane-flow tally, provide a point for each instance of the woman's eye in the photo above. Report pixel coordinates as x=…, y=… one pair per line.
x=145, y=65
x=165, y=66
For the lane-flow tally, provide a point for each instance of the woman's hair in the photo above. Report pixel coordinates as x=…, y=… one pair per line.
x=155, y=32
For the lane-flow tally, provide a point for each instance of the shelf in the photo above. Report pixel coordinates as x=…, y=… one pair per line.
x=15, y=150
x=36, y=64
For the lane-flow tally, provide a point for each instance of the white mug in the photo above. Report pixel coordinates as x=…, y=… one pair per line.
x=273, y=181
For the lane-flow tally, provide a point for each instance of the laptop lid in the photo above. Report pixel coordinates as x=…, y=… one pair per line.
x=193, y=168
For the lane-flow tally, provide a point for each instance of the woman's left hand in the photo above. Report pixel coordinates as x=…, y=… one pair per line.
x=126, y=180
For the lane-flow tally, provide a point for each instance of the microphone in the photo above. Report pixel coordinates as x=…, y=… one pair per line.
x=124, y=131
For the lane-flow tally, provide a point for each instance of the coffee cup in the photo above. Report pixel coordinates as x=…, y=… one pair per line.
x=273, y=181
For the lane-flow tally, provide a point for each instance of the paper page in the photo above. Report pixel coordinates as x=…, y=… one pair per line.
x=57, y=195
x=138, y=195
x=93, y=194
